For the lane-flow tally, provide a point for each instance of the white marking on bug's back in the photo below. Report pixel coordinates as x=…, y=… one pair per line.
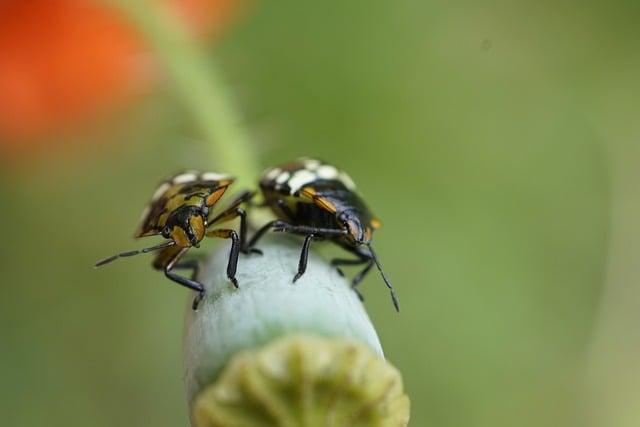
x=301, y=178
x=311, y=164
x=272, y=173
x=160, y=191
x=145, y=213
x=283, y=177
x=347, y=181
x=327, y=172
x=184, y=178
x=212, y=176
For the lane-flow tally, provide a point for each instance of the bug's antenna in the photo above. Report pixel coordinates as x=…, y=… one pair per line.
x=394, y=297
x=136, y=252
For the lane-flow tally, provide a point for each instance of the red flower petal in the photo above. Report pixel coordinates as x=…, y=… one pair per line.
x=65, y=60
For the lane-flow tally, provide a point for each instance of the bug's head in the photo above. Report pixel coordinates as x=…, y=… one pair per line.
x=358, y=231
x=186, y=226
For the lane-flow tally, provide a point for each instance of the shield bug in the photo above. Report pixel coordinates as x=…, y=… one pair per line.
x=319, y=201
x=179, y=211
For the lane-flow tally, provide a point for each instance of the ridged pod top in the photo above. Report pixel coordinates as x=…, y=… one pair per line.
x=305, y=380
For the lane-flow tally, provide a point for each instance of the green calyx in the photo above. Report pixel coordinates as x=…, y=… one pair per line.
x=304, y=380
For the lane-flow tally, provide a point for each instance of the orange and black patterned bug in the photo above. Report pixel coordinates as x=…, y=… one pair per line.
x=319, y=201
x=179, y=211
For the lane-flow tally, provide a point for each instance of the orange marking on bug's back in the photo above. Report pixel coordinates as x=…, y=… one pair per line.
x=311, y=193
x=325, y=204
x=215, y=196
x=308, y=191
x=375, y=223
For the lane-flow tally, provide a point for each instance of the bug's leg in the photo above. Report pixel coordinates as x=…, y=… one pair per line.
x=262, y=231
x=167, y=260
x=358, y=294
x=197, y=300
x=234, y=212
x=310, y=234
x=232, y=266
x=362, y=274
x=364, y=257
x=337, y=262
x=243, y=233
x=304, y=257
x=190, y=264
x=358, y=278
x=181, y=280
x=303, y=230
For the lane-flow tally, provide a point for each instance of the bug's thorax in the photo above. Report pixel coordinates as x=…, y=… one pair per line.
x=186, y=225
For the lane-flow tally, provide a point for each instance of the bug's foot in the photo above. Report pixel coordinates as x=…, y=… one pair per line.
x=358, y=293
x=250, y=251
x=234, y=281
x=297, y=276
x=340, y=272
x=197, y=299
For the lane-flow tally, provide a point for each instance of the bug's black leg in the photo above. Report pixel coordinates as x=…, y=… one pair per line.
x=197, y=300
x=337, y=262
x=190, y=264
x=244, y=248
x=262, y=231
x=358, y=293
x=168, y=259
x=358, y=278
x=191, y=284
x=233, y=212
x=232, y=266
x=304, y=257
x=304, y=230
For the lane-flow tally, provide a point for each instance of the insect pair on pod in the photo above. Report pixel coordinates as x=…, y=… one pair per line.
x=308, y=197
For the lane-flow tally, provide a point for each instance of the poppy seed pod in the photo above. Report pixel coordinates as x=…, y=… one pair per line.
x=286, y=353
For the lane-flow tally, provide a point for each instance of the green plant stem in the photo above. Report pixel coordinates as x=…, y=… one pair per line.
x=197, y=83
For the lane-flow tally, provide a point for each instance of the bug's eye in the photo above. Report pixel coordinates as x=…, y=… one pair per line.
x=166, y=232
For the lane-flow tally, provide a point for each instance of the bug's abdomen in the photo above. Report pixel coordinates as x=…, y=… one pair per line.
x=312, y=215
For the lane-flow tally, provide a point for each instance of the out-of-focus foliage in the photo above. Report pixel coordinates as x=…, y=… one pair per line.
x=497, y=141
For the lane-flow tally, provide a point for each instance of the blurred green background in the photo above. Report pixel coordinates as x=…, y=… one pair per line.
x=498, y=143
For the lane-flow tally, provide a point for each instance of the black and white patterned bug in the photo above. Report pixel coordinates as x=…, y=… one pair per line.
x=179, y=210
x=318, y=201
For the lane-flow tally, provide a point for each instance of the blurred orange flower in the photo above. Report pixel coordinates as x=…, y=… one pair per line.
x=65, y=60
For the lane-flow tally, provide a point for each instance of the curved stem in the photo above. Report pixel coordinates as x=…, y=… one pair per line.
x=197, y=82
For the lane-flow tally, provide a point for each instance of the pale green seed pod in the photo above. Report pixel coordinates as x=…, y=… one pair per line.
x=278, y=353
